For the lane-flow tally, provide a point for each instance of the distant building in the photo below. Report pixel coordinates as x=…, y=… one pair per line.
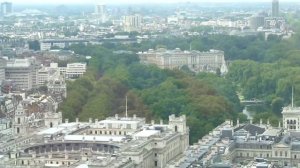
x=133, y=23
x=45, y=73
x=275, y=23
x=6, y=8
x=22, y=72
x=100, y=11
x=2, y=69
x=291, y=120
x=49, y=44
x=75, y=70
x=57, y=86
x=196, y=61
x=275, y=8
x=256, y=21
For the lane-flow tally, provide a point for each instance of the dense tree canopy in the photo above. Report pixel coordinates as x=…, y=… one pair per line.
x=265, y=69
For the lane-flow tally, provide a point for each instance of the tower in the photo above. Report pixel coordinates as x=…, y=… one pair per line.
x=6, y=8
x=100, y=10
x=133, y=23
x=275, y=8
x=178, y=125
x=20, y=124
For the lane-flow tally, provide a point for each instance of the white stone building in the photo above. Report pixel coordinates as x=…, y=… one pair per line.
x=133, y=23
x=196, y=61
x=75, y=70
x=116, y=142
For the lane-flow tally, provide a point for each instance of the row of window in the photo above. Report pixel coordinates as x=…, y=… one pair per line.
x=107, y=132
x=280, y=154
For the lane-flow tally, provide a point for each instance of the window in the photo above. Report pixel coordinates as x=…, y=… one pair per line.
x=51, y=124
x=18, y=130
x=155, y=154
x=19, y=120
x=176, y=129
x=155, y=163
x=295, y=156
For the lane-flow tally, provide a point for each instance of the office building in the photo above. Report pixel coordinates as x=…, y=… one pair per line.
x=48, y=44
x=196, y=61
x=275, y=8
x=75, y=70
x=133, y=23
x=6, y=8
x=2, y=69
x=22, y=72
x=256, y=21
x=100, y=11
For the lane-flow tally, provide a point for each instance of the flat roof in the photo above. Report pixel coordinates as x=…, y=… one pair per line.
x=110, y=121
x=50, y=131
x=147, y=133
x=83, y=166
x=18, y=63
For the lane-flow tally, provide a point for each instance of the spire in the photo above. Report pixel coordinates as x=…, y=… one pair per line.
x=292, y=96
x=126, y=108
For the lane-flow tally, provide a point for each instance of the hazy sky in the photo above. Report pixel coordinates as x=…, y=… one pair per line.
x=128, y=1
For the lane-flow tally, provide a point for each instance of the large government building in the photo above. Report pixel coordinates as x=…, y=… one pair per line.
x=250, y=145
x=196, y=61
x=118, y=142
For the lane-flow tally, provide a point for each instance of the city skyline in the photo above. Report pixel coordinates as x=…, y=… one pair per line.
x=133, y=1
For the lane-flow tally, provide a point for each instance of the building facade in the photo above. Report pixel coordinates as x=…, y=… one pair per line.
x=75, y=70
x=22, y=72
x=196, y=61
x=116, y=142
x=100, y=11
x=133, y=23
x=275, y=8
x=248, y=144
x=6, y=8
x=2, y=69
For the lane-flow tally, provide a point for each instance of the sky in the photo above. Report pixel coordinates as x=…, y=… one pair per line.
x=126, y=1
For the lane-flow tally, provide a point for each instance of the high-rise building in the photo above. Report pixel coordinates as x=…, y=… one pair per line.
x=2, y=69
x=133, y=23
x=275, y=8
x=100, y=10
x=256, y=21
x=6, y=8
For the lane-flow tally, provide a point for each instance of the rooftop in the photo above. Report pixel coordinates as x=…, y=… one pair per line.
x=18, y=63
